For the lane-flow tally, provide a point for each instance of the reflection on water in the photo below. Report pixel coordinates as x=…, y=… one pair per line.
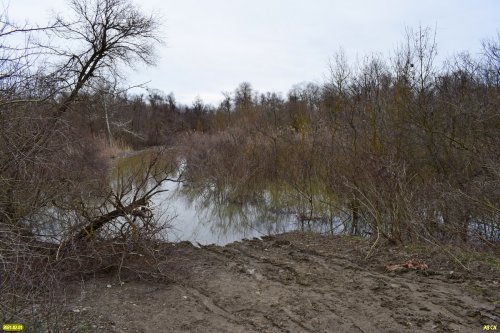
x=207, y=213
x=201, y=218
x=200, y=222
x=202, y=214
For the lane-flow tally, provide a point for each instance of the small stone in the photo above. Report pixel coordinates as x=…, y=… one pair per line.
x=185, y=297
x=76, y=310
x=109, y=286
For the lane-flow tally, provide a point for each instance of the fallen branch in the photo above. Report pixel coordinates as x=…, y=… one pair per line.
x=96, y=224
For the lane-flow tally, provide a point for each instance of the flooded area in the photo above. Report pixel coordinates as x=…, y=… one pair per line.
x=205, y=212
x=195, y=219
x=200, y=213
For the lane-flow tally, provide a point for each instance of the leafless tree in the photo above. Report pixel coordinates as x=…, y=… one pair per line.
x=340, y=72
x=491, y=51
x=46, y=161
x=104, y=34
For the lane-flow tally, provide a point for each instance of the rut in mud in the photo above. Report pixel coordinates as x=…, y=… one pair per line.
x=295, y=283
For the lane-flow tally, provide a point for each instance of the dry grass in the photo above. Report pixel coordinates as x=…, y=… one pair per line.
x=116, y=149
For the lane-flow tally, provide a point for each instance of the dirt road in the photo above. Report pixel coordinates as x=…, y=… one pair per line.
x=297, y=283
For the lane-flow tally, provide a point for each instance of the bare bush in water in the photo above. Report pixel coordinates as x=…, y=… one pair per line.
x=406, y=149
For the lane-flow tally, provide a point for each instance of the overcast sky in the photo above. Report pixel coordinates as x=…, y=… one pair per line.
x=213, y=45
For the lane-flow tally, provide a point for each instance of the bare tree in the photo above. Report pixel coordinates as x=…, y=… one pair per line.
x=340, y=72
x=47, y=161
x=100, y=36
x=108, y=33
x=491, y=52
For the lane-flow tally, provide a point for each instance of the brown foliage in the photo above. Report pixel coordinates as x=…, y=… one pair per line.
x=410, y=151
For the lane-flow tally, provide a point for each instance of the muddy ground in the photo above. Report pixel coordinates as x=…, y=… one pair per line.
x=297, y=282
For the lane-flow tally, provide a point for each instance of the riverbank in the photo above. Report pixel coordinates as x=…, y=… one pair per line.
x=297, y=282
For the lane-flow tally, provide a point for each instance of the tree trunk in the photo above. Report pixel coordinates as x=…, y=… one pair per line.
x=96, y=224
